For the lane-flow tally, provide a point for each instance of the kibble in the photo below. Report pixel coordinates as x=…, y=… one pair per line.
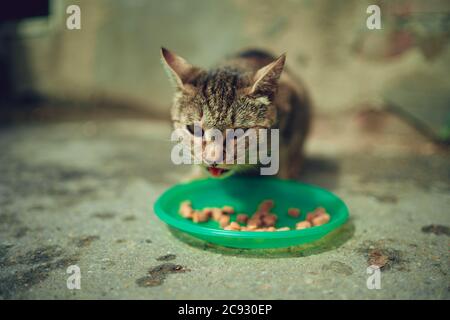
x=208, y=212
x=199, y=216
x=314, y=214
x=303, y=225
x=224, y=221
x=216, y=214
x=242, y=218
x=266, y=206
x=321, y=219
x=227, y=210
x=262, y=220
x=269, y=220
x=186, y=209
x=294, y=212
x=233, y=226
x=248, y=228
x=254, y=222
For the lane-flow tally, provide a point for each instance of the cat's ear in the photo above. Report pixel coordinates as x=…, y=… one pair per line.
x=266, y=78
x=178, y=69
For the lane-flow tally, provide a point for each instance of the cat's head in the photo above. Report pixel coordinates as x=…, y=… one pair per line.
x=222, y=98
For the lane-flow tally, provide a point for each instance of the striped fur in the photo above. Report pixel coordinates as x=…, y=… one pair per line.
x=248, y=90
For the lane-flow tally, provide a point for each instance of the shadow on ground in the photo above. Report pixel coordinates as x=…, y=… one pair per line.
x=321, y=171
x=331, y=241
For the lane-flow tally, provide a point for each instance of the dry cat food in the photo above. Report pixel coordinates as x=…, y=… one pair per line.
x=242, y=218
x=294, y=212
x=262, y=220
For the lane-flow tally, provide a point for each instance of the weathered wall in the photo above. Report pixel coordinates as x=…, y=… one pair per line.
x=116, y=53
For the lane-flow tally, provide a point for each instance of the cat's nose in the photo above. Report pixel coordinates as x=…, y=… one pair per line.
x=210, y=162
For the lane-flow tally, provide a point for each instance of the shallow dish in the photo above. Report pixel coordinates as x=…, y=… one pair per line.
x=244, y=194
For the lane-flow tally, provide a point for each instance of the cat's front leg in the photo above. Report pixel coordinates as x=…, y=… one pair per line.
x=291, y=162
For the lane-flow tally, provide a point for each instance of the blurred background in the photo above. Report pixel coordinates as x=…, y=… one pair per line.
x=114, y=58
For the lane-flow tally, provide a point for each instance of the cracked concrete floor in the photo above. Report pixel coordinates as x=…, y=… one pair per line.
x=81, y=192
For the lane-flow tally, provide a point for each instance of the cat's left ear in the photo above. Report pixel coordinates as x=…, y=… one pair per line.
x=266, y=78
x=179, y=70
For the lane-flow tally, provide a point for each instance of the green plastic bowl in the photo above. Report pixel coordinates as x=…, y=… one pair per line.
x=244, y=194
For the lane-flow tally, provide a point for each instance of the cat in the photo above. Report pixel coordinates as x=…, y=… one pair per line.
x=246, y=90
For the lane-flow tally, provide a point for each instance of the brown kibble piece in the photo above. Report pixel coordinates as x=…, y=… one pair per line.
x=320, y=210
x=294, y=212
x=261, y=220
x=224, y=221
x=208, y=211
x=233, y=226
x=266, y=205
x=204, y=217
x=259, y=215
x=196, y=217
x=310, y=216
x=216, y=214
x=303, y=225
x=254, y=222
x=318, y=217
x=227, y=209
x=269, y=221
x=242, y=218
x=199, y=216
x=186, y=203
x=321, y=219
x=316, y=213
x=186, y=209
x=187, y=214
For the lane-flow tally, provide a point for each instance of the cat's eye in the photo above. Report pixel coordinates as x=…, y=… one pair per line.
x=191, y=128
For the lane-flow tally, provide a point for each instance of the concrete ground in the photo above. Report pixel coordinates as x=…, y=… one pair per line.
x=81, y=193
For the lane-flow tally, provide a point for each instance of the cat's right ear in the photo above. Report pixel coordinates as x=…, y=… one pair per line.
x=178, y=69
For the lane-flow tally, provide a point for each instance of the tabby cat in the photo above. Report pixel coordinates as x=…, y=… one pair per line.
x=247, y=90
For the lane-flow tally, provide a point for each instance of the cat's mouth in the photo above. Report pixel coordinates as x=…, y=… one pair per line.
x=216, y=172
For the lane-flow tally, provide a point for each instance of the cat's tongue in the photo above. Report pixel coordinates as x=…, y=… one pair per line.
x=215, y=172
